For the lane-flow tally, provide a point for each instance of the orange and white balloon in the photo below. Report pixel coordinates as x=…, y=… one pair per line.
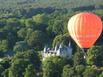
x=85, y=28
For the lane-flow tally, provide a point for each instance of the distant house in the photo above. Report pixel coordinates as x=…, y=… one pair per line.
x=59, y=50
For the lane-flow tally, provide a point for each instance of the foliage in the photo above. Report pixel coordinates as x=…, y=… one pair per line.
x=40, y=18
x=53, y=66
x=30, y=56
x=79, y=70
x=21, y=46
x=90, y=72
x=23, y=61
x=61, y=39
x=101, y=75
x=30, y=71
x=95, y=56
x=79, y=58
x=37, y=39
x=1, y=70
x=3, y=45
x=68, y=71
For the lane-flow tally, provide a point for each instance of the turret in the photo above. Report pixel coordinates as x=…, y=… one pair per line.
x=45, y=49
x=60, y=46
x=69, y=45
x=59, y=51
x=69, y=49
x=56, y=48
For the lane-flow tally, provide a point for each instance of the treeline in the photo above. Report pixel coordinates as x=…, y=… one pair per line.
x=21, y=8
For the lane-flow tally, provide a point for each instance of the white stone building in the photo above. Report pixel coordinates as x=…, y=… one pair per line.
x=59, y=50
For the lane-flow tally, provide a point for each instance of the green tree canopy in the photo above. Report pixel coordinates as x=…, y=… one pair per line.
x=61, y=39
x=101, y=75
x=1, y=70
x=37, y=39
x=30, y=71
x=79, y=58
x=4, y=45
x=40, y=18
x=95, y=56
x=53, y=66
x=90, y=72
x=22, y=33
x=68, y=71
x=29, y=55
x=18, y=67
x=21, y=46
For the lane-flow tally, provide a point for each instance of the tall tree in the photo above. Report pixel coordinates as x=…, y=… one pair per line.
x=21, y=46
x=79, y=58
x=95, y=56
x=68, y=71
x=1, y=70
x=40, y=18
x=90, y=72
x=61, y=39
x=4, y=45
x=37, y=39
x=53, y=66
x=30, y=71
x=18, y=67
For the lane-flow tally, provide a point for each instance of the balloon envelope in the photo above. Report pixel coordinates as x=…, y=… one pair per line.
x=85, y=28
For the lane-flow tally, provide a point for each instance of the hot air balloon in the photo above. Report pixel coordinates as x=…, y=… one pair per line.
x=85, y=28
